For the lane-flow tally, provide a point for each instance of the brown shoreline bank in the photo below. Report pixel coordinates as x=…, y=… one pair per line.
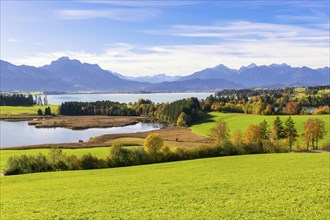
x=85, y=122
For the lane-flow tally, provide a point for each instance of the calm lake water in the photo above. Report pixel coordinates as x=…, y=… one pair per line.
x=124, y=98
x=17, y=133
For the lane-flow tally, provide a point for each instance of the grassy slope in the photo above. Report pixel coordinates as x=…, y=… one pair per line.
x=22, y=110
x=242, y=121
x=253, y=186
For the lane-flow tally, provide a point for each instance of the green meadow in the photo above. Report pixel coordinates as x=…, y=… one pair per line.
x=242, y=121
x=26, y=110
x=265, y=186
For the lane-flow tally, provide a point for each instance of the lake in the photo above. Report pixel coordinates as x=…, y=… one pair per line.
x=17, y=133
x=124, y=97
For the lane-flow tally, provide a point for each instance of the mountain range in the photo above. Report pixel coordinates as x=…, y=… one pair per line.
x=69, y=75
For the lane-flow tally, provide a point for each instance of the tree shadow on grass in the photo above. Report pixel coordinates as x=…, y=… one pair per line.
x=207, y=118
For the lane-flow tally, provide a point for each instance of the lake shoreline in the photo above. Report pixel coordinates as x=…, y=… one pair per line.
x=172, y=134
x=86, y=122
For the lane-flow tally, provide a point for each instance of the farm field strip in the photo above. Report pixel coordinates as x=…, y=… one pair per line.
x=26, y=110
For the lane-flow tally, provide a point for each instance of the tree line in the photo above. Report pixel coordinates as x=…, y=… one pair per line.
x=274, y=138
x=96, y=108
x=269, y=101
x=16, y=100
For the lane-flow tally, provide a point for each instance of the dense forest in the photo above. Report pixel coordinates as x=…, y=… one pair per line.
x=182, y=112
x=96, y=108
x=16, y=100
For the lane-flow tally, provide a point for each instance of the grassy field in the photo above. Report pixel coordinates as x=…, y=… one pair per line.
x=242, y=121
x=282, y=186
x=25, y=110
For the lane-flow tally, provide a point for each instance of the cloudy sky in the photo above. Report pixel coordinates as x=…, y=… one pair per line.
x=172, y=37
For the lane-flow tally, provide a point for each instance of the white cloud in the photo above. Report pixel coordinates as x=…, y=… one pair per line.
x=13, y=40
x=119, y=14
x=243, y=30
x=138, y=3
x=235, y=44
x=186, y=59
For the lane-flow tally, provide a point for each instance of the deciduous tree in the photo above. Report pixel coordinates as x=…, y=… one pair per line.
x=153, y=143
x=253, y=134
x=220, y=132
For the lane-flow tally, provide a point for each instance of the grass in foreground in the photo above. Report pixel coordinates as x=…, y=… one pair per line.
x=242, y=121
x=26, y=110
x=264, y=186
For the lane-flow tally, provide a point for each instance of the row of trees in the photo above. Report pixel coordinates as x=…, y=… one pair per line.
x=16, y=100
x=268, y=101
x=262, y=138
x=96, y=108
x=154, y=151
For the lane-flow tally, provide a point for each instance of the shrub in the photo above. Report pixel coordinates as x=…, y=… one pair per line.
x=88, y=161
x=271, y=147
x=325, y=146
x=118, y=156
x=137, y=157
x=56, y=158
x=153, y=143
x=27, y=164
x=253, y=148
x=72, y=162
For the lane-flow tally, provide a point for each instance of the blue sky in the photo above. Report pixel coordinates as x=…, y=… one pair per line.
x=172, y=37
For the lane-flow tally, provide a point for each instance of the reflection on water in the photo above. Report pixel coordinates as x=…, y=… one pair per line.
x=17, y=133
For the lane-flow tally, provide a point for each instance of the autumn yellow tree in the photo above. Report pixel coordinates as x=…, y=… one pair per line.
x=314, y=130
x=153, y=143
x=253, y=134
x=268, y=110
x=220, y=132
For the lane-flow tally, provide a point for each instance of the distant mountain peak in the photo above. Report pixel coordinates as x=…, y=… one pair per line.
x=280, y=65
x=63, y=58
x=220, y=66
x=66, y=60
x=252, y=65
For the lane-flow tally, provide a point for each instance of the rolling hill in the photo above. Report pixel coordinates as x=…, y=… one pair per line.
x=265, y=186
